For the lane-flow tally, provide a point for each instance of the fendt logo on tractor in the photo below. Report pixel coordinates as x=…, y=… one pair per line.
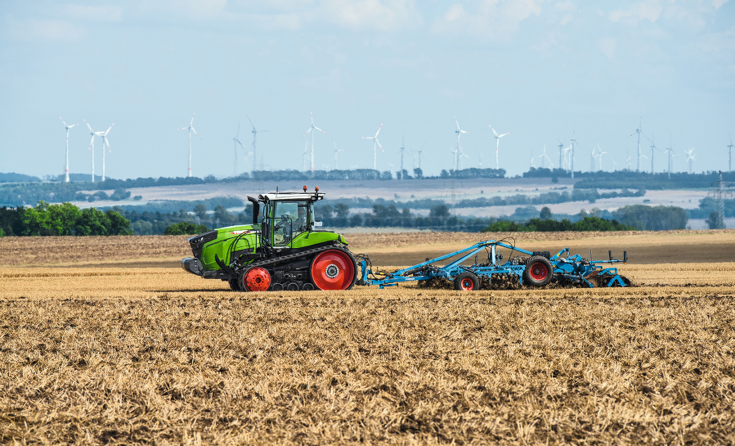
x=282, y=250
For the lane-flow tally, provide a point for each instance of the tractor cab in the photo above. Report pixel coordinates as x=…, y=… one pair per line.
x=287, y=218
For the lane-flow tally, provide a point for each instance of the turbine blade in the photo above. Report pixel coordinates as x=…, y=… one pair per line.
x=379, y=145
x=192, y=120
x=306, y=132
x=91, y=143
x=108, y=130
x=320, y=130
x=195, y=132
x=90, y=127
x=108, y=145
x=381, y=126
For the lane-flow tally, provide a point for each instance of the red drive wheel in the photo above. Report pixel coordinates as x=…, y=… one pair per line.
x=333, y=269
x=257, y=279
x=467, y=282
x=538, y=271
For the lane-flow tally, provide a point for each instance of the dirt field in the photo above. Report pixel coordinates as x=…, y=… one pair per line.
x=130, y=354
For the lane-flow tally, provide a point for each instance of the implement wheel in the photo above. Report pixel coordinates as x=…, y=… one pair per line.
x=467, y=282
x=538, y=272
x=333, y=269
x=255, y=279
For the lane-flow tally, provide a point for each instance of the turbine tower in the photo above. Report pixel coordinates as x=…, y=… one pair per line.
x=66, y=169
x=255, y=134
x=638, y=131
x=571, y=159
x=561, y=148
x=189, y=129
x=402, y=149
x=105, y=141
x=336, y=153
x=456, y=158
x=671, y=155
x=91, y=145
x=690, y=158
x=545, y=157
x=459, y=132
x=497, y=144
x=235, y=142
x=653, y=149
x=729, y=147
x=376, y=144
x=310, y=130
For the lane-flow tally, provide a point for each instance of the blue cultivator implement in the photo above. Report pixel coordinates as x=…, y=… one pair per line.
x=528, y=268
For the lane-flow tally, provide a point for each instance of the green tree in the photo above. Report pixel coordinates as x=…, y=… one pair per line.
x=342, y=210
x=201, y=211
x=545, y=213
x=185, y=228
x=715, y=221
x=439, y=211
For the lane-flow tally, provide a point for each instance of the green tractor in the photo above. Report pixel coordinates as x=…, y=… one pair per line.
x=281, y=250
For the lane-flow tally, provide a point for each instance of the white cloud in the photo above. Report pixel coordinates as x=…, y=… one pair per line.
x=495, y=19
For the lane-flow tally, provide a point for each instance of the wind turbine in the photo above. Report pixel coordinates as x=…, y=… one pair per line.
x=571, y=162
x=567, y=156
x=402, y=149
x=309, y=130
x=91, y=145
x=105, y=141
x=235, y=142
x=189, y=129
x=638, y=131
x=627, y=161
x=376, y=144
x=479, y=163
x=336, y=152
x=532, y=165
x=545, y=157
x=103, y=135
x=459, y=133
x=497, y=144
x=66, y=169
x=561, y=148
x=729, y=164
x=456, y=159
x=671, y=155
x=690, y=158
x=653, y=149
x=255, y=134
x=615, y=165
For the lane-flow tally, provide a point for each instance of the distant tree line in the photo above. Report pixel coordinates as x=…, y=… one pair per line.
x=548, y=225
x=642, y=180
x=61, y=219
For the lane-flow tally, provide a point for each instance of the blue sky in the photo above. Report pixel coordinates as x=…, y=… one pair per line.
x=542, y=70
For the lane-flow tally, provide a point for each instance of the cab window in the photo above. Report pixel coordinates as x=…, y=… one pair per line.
x=290, y=218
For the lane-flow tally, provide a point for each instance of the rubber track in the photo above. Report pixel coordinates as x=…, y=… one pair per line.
x=292, y=256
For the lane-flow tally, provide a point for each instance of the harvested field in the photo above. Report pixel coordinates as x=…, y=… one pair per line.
x=128, y=355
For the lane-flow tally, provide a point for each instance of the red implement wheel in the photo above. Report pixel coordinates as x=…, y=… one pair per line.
x=333, y=269
x=538, y=271
x=467, y=282
x=256, y=279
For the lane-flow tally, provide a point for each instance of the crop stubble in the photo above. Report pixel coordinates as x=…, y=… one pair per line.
x=129, y=355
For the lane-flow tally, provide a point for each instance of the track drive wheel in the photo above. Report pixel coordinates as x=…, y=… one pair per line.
x=333, y=269
x=255, y=279
x=467, y=282
x=538, y=272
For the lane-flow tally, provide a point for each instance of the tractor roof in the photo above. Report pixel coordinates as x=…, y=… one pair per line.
x=291, y=196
